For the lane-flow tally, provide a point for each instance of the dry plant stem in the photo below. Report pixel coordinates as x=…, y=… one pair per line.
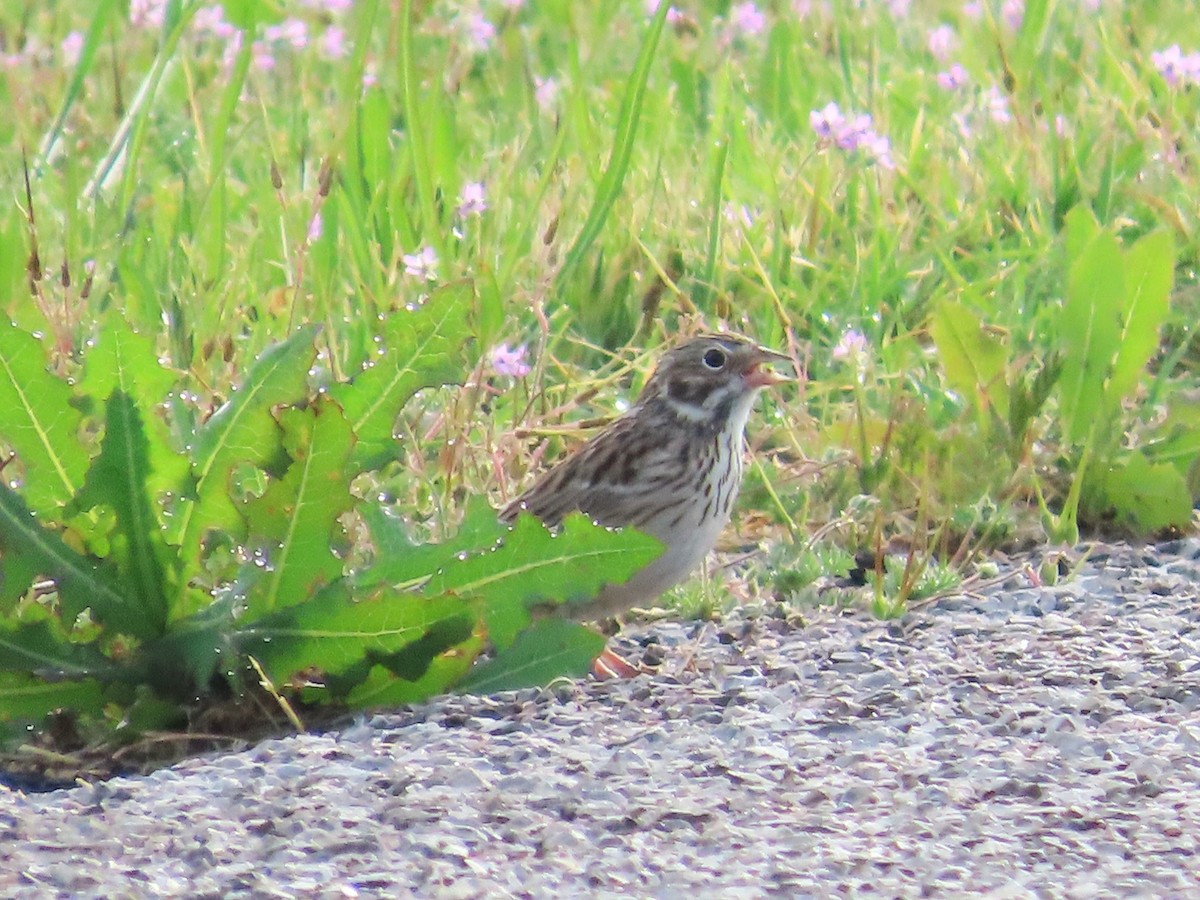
x=266, y=684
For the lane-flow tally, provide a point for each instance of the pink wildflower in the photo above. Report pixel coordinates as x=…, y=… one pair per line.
x=997, y=104
x=953, y=78
x=422, y=264
x=290, y=31
x=333, y=43
x=1013, y=13
x=674, y=16
x=147, y=13
x=72, y=46
x=545, y=92
x=1177, y=67
x=746, y=19
x=942, y=41
x=854, y=134
x=479, y=32
x=210, y=20
x=472, y=200
x=510, y=362
x=851, y=346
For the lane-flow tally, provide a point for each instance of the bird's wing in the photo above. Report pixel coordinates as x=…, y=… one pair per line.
x=609, y=478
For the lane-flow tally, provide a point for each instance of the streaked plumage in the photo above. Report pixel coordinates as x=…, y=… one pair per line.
x=671, y=466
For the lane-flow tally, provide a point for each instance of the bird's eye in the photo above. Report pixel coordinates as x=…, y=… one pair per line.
x=714, y=359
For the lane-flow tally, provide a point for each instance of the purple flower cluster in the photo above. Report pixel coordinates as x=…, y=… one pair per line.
x=291, y=33
x=422, y=264
x=510, y=363
x=1176, y=67
x=852, y=134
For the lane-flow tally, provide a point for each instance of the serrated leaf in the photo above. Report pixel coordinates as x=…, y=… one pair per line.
x=119, y=478
x=297, y=516
x=333, y=632
x=121, y=359
x=382, y=687
x=426, y=666
x=185, y=659
x=974, y=361
x=1177, y=436
x=17, y=573
x=1149, y=497
x=536, y=567
x=550, y=649
x=25, y=697
x=36, y=648
x=39, y=422
x=82, y=584
x=242, y=432
x=1149, y=272
x=1090, y=329
x=401, y=563
x=422, y=348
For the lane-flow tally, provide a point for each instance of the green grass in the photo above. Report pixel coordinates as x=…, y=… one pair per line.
x=645, y=177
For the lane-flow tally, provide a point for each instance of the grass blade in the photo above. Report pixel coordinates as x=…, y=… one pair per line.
x=628, y=121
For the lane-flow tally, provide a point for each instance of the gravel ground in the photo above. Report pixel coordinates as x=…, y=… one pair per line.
x=1025, y=741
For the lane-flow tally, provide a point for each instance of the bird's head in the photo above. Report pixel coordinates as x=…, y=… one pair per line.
x=713, y=379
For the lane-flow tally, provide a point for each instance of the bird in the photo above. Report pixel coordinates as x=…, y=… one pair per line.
x=670, y=466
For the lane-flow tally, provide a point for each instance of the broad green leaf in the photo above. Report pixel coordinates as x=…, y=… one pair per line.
x=333, y=632
x=1149, y=272
x=37, y=649
x=1180, y=447
x=121, y=359
x=536, y=567
x=119, y=478
x=14, y=254
x=400, y=563
x=422, y=347
x=1081, y=228
x=974, y=360
x=382, y=687
x=243, y=431
x=29, y=698
x=424, y=667
x=149, y=712
x=39, y=422
x=1177, y=437
x=185, y=659
x=491, y=307
x=550, y=649
x=297, y=517
x=17, y=573
x=81, y=583
x=1148, y=496
x=1090, y=331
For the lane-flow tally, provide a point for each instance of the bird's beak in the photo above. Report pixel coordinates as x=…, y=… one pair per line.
x=755, y=377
